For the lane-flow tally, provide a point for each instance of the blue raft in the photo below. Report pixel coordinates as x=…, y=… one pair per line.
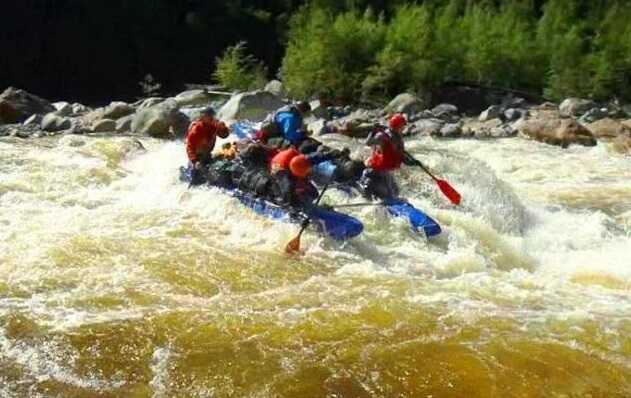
x=330, y=223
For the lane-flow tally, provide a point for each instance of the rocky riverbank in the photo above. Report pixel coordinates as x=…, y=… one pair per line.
x=575, y=121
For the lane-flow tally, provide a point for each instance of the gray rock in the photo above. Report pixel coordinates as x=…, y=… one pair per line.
x=405, y=103
x=512, y=114
x=63, y=108
x=17, y=105
x=451, y=130
x=53, y=122
x=426, y=127
x=163, y=120
x=275, y=87
x=116, y=110
x=593, y=115
x=194, y=98
x=318, y=110
x=79, y=109
x=575, y=107
x=123, y=125
x=253, y=106
x=445, y=111
x=492, y=112
x=35, y=120
x=513, y=102
x=148, y=102
x=104, y=125
x=319, y=127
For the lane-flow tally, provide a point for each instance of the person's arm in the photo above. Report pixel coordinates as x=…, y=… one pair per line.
x=376, y=138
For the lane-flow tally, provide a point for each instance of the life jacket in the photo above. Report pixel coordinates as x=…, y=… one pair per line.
x=282, y=159
x=201, y=137
x=289, y=121
x=388, y=155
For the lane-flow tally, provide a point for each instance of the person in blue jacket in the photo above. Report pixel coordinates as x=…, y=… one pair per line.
x=286, y=123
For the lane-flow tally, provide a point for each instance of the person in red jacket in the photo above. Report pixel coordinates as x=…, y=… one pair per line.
x=387, y=156
x=290, y=170
x=200, y=139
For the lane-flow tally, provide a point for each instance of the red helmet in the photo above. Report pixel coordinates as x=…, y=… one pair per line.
x=300, y=166
x=397, y=121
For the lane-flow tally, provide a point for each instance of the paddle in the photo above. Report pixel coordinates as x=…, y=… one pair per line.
x=444, y=186
x=293, y=246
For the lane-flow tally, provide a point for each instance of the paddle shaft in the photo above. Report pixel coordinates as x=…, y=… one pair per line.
x=421, y=165
x=308, y=220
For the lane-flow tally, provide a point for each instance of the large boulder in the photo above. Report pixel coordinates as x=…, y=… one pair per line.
x=492, y=112
x=116, y=110
x=622, y=144
x=275, y=87
x=253, y=106
x=148, y=102
x=123, y=125
x=493, y=128
x=575, y=107
x=53, y=122
x=451, y=130
x=405, y=103
x=17, y=105
x=426, y=127
x=104, y=125
x=556, y=131
x=447, y=112
x=163, y=120
x=593, y=115
x=63, y=108
x=608, y=128
x=194, y=98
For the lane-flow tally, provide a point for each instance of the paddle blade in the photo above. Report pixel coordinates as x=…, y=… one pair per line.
x=293, y=246
x=449, y=192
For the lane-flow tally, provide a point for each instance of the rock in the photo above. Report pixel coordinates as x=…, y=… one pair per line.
x=426, y=127
x=556, y=131
x=148, y=102
x=608, y=128
x=193, y=98
x=513, y=102
x=53, y=122
x=492, y=112
x=253, y=106
x=451, y=130
x=79, y=109
x=512, y=114
x=104, y=125
x=62, y=108
x=123, y=125
x=35, y=120
x=493, y=128
x=116, y=110
x=622, y=144
x=163, y=120
x=405, y=103
x=445, y=112
x=319, y=127
x=593, y=115
x=318, y=110
x=275, y=87
x=8, y=114
x=17, y=105
x=627, y=123
x=575, y=107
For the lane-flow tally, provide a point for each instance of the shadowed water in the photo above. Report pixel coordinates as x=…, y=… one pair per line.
x=117, y=281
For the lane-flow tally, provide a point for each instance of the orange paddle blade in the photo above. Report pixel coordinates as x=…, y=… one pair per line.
x=293, y=246
x=449, y=192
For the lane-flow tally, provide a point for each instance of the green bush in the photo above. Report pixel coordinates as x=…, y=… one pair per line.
x=327, y=55
x=237, y=70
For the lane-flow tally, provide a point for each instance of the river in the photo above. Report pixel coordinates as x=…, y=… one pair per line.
x=118, y=281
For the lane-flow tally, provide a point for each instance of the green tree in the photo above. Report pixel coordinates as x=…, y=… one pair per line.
x=237, y=70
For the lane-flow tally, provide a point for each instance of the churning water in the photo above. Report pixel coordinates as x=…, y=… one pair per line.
x=117, y=281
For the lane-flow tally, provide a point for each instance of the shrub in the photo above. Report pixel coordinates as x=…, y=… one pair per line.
x=237, y=70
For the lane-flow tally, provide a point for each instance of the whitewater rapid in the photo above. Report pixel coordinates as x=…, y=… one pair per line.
x=117, y=280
